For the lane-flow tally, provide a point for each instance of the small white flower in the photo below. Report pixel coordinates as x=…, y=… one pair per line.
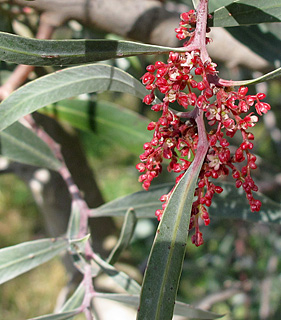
x=172, y=96
x=214, y=161
x=174, y=74
x=188, y=62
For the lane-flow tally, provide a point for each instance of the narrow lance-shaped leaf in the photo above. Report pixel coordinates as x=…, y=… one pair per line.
x=58, y=316
x=126, y=234
x=246, y=12
x=23, y=257
x=75, y=301
x=181, y=309
x=65, y=84
x=145, y=203
x=195, y=3
x=269, y=76
x=20, y=144
x=115, y=124
x=163, y=272
x=74, y=222
x=23, y=50
x=121, y=278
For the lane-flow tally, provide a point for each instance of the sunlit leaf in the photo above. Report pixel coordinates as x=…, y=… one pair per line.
x=20, y=144
x=58, y=316
x=28, y=51
x=74, y=222
x=23, y=257
x=195, y=3
x=75, y=301
x=121, y=278
x=114, y=123
x=79, y=244
x=65, y=84
x=161, y=280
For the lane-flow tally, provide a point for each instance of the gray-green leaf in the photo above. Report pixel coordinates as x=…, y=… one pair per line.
x=269, y=76
x=161, y=280
x=230, y=204
x=58, y=316
x=20, y=144
x=75, y=301
x=65, y=84
x=28, y=51
x=181, y=309
x=246, y=12
x=121, y=278
x=23, y=257
x=126, y=234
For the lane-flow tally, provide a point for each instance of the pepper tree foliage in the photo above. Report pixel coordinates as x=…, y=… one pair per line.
x=200, y=113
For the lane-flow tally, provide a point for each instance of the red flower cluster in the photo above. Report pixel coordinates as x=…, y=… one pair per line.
x=189, y=82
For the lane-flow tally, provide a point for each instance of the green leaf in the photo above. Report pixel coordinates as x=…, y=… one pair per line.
x=74, y=221
x=161, y=280
x=65, y=84
x=126, y=234
x=22, y=50
x=58, y=316
x=195, y=3
x=114, y=123
x=246, y=12
x=121, y=278
x=144, y=203
x=216, y=4
x=76, y=300
x=80, y=262
x=23, y=257
x=181, y=309
x=269, y=76
x=20, y=144
x=78, y=245
x=230, y=204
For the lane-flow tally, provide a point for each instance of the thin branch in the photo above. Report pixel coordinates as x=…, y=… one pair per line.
x=66, y=175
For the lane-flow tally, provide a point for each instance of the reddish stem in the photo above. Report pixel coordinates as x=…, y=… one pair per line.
x=66, y=175
x=199, y=40
x=200, y=31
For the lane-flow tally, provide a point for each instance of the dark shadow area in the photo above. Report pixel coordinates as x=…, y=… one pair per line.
x=257, y=41
x=91, y=111
x=101, y=52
